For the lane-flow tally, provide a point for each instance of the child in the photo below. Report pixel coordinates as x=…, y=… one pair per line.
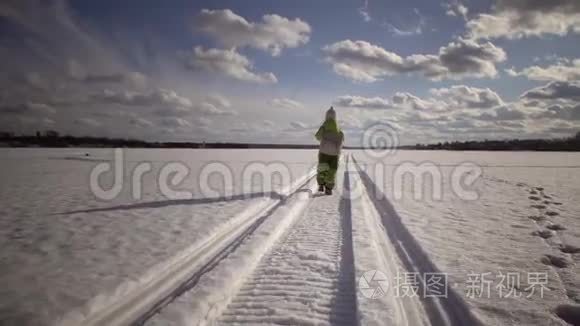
x=331, y=139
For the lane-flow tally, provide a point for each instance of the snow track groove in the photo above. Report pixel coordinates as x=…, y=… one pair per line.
x=183, y=272
x=449, y=311
x=308, y=277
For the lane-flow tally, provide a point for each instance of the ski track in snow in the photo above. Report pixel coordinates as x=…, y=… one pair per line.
x=308, y=276
x=298, y=264
x=449, y=309
x=307, y=279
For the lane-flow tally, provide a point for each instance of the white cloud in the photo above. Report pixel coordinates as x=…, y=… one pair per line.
x=558, y=100
x=47, y=121
x=461, y=96
x=167, y=102
x=175, y=122
x=213, y=109
x=456, y=9
x=156, y=98
x=565, y=91
x=35, y=80
x=469, y=58
x=465, y=112
x=87, y=122
x=417, y=30
x=409, y=101
x=410, y=29
x=15, y=123
x=350, y=122
x=563, y=128
x=424, y=118
x=362, y=102
x=27, y=108
x=454, y=110
x=218, y=100
x=454, y=98
x=365, y=62
x=53, y=32
x=561, y=71
x=203, y=121
x=364, y=13
x=298, y=125
x=286, y=103
x=562, y=113
x=141, y=122
x=523, y=18
x=215, y=104
x=227, y=62
x=273, y=34
x=502, y=113
x=79, y=73
x=173, y=111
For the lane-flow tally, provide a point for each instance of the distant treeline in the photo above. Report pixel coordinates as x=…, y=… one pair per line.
x=563, y=144
x=53, y=139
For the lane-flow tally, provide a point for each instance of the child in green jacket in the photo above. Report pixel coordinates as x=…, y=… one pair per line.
x=331, y=139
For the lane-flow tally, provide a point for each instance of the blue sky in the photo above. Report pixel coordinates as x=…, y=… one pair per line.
x=263, y=71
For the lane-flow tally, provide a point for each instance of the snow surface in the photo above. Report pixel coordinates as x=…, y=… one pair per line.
x=65, y=251
x=497, y=233
x=67, y=254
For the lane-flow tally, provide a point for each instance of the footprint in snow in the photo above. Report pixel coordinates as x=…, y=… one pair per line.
x=547, y=197
x=539, y=188
x=535, y=198
x=545, y=234
x=569, y=313
x=557, y=203
x=556, y=261
x=569, y=249
x=537, y=218
x=533, y=192
x=539, y=206
x=552, y=213
x=556, y=227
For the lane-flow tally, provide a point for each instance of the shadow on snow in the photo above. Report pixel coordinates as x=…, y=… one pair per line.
x=450, y=310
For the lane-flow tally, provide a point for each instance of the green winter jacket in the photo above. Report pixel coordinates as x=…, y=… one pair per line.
x=330, y=137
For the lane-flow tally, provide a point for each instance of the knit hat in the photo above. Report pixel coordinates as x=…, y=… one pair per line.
x=331, y=114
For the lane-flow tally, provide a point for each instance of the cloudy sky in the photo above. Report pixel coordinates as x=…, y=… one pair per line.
x=265, y=71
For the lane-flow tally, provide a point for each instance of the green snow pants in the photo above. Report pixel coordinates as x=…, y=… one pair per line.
x=327, y=166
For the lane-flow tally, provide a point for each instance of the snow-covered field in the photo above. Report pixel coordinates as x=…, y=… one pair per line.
x=222, y=246
x=513, y=227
